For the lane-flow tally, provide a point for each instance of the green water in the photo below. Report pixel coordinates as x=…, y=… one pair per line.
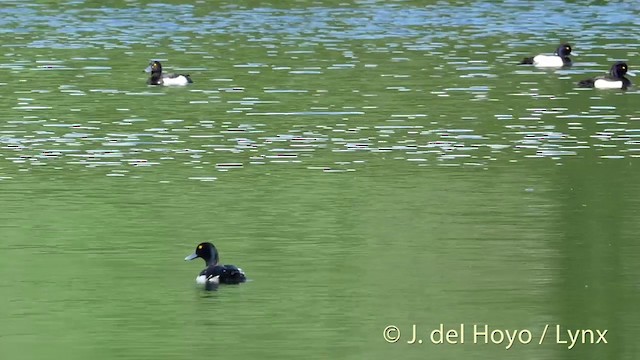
x=367, y=165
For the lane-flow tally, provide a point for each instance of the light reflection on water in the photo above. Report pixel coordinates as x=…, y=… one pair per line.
x=313, y=89
x=440, y=62
x=43, y=142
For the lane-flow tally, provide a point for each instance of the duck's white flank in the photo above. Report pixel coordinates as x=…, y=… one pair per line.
x=179, y=80
x=607, y=84
x=548, y=61
x=202, y=280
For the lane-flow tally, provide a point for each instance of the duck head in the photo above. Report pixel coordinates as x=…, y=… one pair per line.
x=618, y=70
x=206, y=251
x=563, y=50
x=154, y=67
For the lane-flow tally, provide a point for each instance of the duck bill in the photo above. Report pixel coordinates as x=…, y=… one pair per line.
x=191, y=257
x=148, y=69
x=631, y=73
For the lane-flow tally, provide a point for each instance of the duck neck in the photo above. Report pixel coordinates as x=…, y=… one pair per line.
x=213, y=260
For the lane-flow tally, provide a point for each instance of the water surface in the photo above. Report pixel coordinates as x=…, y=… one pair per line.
x=367, y=164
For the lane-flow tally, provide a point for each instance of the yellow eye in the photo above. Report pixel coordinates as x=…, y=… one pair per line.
x=199, y=246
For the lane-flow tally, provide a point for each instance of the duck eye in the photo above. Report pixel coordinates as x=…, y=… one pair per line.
x=199, y=247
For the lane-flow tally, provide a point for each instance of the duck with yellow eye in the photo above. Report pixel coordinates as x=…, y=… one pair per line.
x=559, y=59
x=157, y=78
x=614, y=80
x=214, y=273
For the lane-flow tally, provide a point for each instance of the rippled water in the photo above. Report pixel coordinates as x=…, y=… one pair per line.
x=323, y=87
x=371, y=162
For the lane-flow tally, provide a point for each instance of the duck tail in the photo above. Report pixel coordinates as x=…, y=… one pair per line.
x=189, y=79
x=588, y=83
x=233, y=275
x=527, y=61
x=242, y=278
x=237, y=277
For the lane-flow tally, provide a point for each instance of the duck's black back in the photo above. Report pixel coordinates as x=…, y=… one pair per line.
x=228, y=274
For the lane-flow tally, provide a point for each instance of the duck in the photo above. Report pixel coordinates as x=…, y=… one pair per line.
x=614, y=80
x=157, y=78
x=215, y=274
x=559, y=59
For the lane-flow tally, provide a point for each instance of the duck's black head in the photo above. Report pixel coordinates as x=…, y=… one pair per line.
x=207, y=251
x=563, y=50
x=154, y=67
x=618, y=70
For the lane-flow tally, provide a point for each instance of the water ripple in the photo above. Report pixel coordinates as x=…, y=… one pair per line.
x=318, y=88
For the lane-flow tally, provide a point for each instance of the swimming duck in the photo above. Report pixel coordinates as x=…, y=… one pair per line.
x=214, y=273
x=157, y=78
x=559, y=59
x=614, y=80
